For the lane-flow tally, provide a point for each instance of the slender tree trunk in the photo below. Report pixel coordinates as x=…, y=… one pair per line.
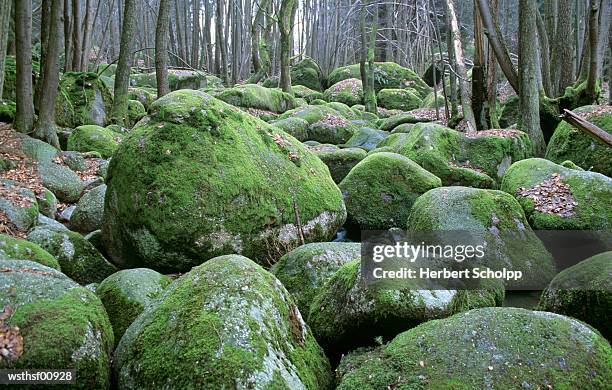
x=563, y=49
x=366, y=65
x=207, y=34
x=468, y=114
x=286, y=17
x=45, y=127
x=67, y=35
x=122, y=75
x=492, y=76
x=5, y=19
x=235, y=41
x=220, y=42
x=453, y=66
x=478, y=75
x=544, y=55
x=87, y=31
x=24, y=117
x=76, y=35
x=529, y=98
x=259, y=48
x=591, y=87
x=195, y=35
x=161, y=48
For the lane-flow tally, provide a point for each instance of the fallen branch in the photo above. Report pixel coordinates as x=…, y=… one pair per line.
x=587, y=127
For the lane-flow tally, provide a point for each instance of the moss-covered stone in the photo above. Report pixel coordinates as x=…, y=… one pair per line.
x=63, y=325
x=549, y=114
x=203, y=179
x=7, y=111
x=326, y=124
x=177, y=79
x=256, y=96
x=491, y=217
x=430, y=100
x=21, y=210
x=83, y=99
x=10, y=72
x=136, y=112
x=591, y=193
x=390, y=123
x=94, y=138
x=398, y=99
x=349, y=91
x=15, y=248
x=380, y=190
x=346, y=314
x=366, y=138
x=237, y=327
x=66, y=185
x=47, y=203
x=569, y=143
x=89, y=211
x=307, y=73
x=339, y=161
x=304, y=270
x=308, y=94
x=482, y=348
x=295, y=126
x=583, y=291
x=310, y=114
x=386, y=75
x=125, y=294
x=475, y=160
x=145, y=96
x=36, y=149
x=78, y=259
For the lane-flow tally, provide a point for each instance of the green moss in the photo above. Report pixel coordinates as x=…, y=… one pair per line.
x=366, y=139
x=591, y=192
x=390, y=123
x=307, y=73
x=15, y=248
x=549, y=114
x=62, y=181
x=583, y=291
x=10, y=71
x=235, y=325
x=89, y=211
x=22, y=215
x=380, y=190
x=203, y=179
x=83, y=99
x=136, y=112
x=295, y=126
x=93, y=138
x=256, y=96
x=569, y=143
x=339, y=161
x=430, y=100
x=349, y=92
x=7, y=111
x=62, y=324
x=78, y=259
x=398, y=99
x=508, y=347
x=126, y=293
x=143, y=95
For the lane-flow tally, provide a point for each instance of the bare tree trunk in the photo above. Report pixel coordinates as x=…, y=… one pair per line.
x=220, y=42
x=591, y=86
x=478, y=75
x=122, y=75
x=45, y=127
x=563, y=49
x=468, y=114
x=529, y=98
x=286, y=16
x=195, y=35
x=87, y=31
x=161, y=48
x=544, y=55
x=24, y=117
x=76, y=35
x=207, y=34
x=260, y=57
x=5, y=18
x=492, y=76
x=366, y=65
x=235, y=40
x=67, y=35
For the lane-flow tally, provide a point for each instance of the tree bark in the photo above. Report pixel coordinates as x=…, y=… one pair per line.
x=67, y=35
x=591, y=86
x=529, y=98
x=24, y=117
x=119, y=111
x=285, y=23
x=5, y=18
x=195, y=35
x=366, y=65
x=468, y=114
x=45, y=127
x=563, y=49
x=260, y=57
x=161, y=48
x=544, y=55
x=86, y=42
x=492, y=76
x=76, y=35
x=220, y=42
x=478, y=75
x=208, y=36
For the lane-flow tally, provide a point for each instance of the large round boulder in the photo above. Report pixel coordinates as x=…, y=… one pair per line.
x=484, y=348
x=83, y=100
x=398, y=99
x=306, y=73
x=381, y=189
x=258, y=97
x=89, y=211
x=349, y=92
x=92, y=138
x=53, y=323
x=583, y=291
x=203, y=179
x=226, y=324
x=569, y=143
x=339, y=161
x=15, y=248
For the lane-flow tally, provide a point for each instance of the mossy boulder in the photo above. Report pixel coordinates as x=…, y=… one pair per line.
x=491, y=217
x=237, y=327
x=145, y=96
x=177, y=79
x=390, y=123
x=326, y=125
x=346, y=314
x=583, y=291
x=66, y=185
x=19, y=204
x=339, y=161
x=366, y=138
x=304, y=270
x=474, y=159
x=47, y=203
x=386, y=75
x=10, y=72
x=202, y=179
x=501, y=347
x=398, y=99
x=349, y=92
x=94, y=138
x=136, y=111
x=7, y=111
x=36, y=149
x=549, y=115
x=256, y=96
x=125, y=294
x=380, y=191
x=63, y=325
x=297, y=127
x=15, y=248
x=307, y=73
x=306, y=93
x=83, y=99
x=89, y=211
x=586, y=206
x=569, y=143
x=433, y=101
x=78, y=259
x=310, y=114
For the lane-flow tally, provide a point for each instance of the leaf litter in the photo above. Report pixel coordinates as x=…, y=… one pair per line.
x=552, y=196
